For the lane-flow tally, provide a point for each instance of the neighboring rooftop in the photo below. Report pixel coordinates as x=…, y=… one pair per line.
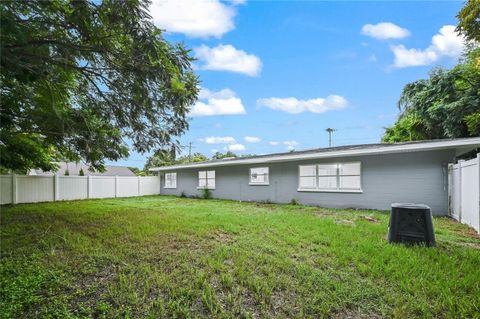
x=460, y=144
x=74, y=170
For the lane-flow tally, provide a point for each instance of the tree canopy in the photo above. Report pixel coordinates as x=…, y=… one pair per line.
x=446, y=105
x=220, y=155
x=167, y=157
x=469, y=21
x=82, y=80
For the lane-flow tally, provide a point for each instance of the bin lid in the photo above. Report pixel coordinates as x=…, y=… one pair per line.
x=410, y=206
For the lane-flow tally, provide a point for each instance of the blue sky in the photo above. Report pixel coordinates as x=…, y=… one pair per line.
x=275, y=75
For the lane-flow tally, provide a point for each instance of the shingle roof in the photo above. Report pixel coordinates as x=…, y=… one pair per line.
x=357, y=148
x=74, y=170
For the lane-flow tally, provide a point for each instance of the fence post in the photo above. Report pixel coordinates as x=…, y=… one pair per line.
x=55, y=187
x=14, y=188
x=139, y=193
x=116, y=185
x=460, y=169
x=89, y=186
x=478, y=167
x=450, y=188
x=159, y=183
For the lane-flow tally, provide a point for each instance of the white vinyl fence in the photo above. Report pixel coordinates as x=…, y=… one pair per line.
x=30, y=189
x=464, y=191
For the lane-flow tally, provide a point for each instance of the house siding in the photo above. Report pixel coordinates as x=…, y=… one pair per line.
x=415, y=177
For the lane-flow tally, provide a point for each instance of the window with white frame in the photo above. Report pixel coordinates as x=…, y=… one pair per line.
x=259, y=176
x=206, y=179
x=330, y=177
x=308, y=176
x=170, y=180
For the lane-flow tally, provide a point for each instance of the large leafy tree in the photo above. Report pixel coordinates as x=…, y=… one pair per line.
x=81, y=80
x=469, y=21
x=446, y=105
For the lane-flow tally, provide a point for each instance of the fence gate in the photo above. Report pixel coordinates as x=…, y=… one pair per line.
x=464, y=191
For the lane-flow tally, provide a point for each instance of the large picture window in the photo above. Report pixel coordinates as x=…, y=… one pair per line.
x=206, y=179
x=330, y=177
x=170, y=180
x=259, y=176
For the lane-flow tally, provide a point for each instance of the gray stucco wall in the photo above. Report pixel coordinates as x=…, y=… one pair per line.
x=417, y=177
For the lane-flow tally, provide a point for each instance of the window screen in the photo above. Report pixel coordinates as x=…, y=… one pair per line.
x=170, y=180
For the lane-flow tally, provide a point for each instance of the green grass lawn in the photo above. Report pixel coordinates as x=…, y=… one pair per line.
x=165, y=257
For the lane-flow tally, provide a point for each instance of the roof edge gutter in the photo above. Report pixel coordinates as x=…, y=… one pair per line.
x=428, y=146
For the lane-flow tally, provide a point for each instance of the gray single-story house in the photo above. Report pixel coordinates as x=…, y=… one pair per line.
x=357, y=176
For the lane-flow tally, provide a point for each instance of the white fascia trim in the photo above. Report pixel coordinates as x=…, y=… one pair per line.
x=418, y=147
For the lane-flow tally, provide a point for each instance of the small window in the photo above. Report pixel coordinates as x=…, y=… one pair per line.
x=330, y=177
x=170, y=180
x=206, y=179
x=259, y=176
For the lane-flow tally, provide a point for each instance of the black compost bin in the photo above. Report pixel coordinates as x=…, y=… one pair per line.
x=411, y=224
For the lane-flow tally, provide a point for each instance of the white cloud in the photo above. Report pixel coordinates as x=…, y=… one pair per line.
x=252, y=139
x=274, y=143
x=236, y=147
x=200, y=19
x=290, y=144
x=219, y=140
x=385, y=30
x=445, y=43
x=293, y=105
x=223, y=102
x=214, y=150
x=226, y=57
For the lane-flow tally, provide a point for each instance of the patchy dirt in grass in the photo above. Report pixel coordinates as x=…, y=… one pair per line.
x=344, y=222
x=283, y=304
x=370, y=219
x=468, y=232
x=91, y=287
x=450, y=244
x=354, y=314
x=222, y=237
x=323, y=213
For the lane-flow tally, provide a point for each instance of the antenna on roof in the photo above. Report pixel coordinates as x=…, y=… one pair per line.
x=330, y=131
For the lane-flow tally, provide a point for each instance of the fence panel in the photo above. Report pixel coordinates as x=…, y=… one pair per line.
x=32, y=189
x=127, y=186
x=72, y=187
x=455, y=195
x=464, y=191
x=470, y=194
x=6, y=189
x=149, y=185
x=102, y=187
